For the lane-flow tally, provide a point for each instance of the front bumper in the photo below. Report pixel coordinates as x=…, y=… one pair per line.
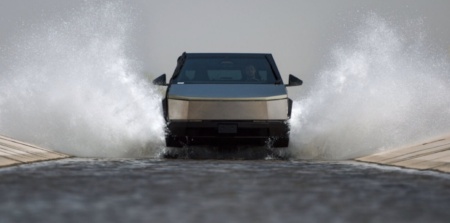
x=226, y=133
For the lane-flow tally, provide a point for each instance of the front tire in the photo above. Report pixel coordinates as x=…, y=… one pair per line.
x=172, y=141
x=281, y=142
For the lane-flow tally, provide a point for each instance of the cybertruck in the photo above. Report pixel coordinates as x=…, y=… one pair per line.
x=226, y=99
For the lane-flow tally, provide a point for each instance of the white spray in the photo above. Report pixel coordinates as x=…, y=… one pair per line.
x=71, y=87
x=385, y=87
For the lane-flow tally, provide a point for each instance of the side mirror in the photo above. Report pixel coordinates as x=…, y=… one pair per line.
x=161, y=80
x=294, y=81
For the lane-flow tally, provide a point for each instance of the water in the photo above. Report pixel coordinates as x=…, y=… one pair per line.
x=72, y=85
x=384, y=86
x=143, y=190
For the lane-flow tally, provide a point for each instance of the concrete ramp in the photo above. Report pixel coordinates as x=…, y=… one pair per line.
x=14, y=152
x=432, y=154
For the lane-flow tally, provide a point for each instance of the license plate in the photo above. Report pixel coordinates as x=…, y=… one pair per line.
x=227, y=128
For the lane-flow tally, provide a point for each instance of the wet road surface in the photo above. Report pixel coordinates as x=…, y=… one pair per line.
x=160, y=190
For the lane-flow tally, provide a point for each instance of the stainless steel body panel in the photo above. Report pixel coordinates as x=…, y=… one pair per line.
x=228, y=110
x=224, y=99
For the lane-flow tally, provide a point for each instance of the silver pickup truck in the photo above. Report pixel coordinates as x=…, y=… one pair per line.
x=223, y=99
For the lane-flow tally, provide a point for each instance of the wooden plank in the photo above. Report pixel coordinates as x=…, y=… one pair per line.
x=443, y=168
x=418, y=152
x=14, y=152
x=432, y=154
x=30, y=150
x=12, y=143
x=386, y=156
x=17, y=155
x=426, y=162
x=7, y=162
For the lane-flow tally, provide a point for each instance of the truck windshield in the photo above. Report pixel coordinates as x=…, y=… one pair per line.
x=226, y=71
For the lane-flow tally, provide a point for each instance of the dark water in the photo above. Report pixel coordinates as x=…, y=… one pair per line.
x=159, y=190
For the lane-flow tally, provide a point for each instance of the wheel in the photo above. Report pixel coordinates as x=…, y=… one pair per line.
x=172, y=141
x=281, y=142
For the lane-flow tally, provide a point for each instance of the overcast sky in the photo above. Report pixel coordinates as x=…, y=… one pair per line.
x=298, y=33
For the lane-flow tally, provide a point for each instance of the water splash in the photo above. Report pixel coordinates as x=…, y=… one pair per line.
x=71, y=87
x=385, y=87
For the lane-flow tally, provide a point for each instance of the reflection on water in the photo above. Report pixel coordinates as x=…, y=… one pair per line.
x=158, y=190
x=226, y=153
